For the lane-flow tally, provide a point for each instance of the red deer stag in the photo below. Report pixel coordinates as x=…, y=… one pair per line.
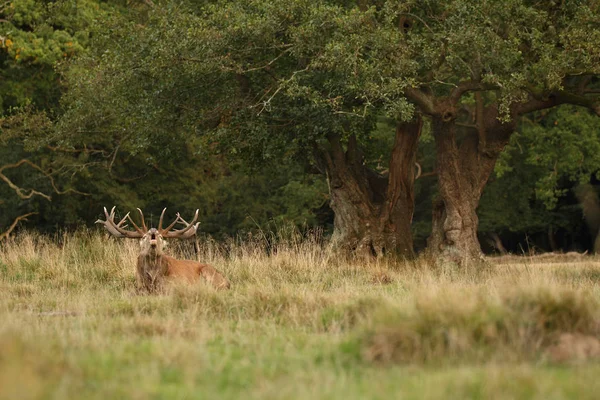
x=153, y=266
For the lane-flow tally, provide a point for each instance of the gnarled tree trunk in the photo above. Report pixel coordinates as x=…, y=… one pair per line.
x=463, y=170
x=373, y=212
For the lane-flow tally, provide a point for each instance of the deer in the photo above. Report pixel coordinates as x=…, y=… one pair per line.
x=154, y=267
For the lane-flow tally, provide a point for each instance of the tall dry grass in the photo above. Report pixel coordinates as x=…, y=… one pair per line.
x=71, y=319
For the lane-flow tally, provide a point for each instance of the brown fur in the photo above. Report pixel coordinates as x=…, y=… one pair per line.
x=154, y=266
x=153, y=270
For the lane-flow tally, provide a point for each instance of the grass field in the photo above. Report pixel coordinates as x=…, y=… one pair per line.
x=297, y=324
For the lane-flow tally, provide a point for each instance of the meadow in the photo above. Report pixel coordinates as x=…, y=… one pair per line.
x=298, y=323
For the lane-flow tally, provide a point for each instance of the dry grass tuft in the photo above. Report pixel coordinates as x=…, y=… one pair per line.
x=297, y=323
x=516, y=324
x=574, y=347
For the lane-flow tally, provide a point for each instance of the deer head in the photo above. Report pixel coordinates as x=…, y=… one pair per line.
x=152, y=241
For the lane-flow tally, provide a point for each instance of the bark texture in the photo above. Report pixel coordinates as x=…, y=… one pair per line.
x=373, y=212
x=464, y=168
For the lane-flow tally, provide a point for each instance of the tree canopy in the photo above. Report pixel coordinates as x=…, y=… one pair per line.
x=184, y=103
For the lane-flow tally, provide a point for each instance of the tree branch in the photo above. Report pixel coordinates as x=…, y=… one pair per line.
x=469, y=86
x=29, y=193
x=423, y=100
x=12, y=227
x=427, y=174
x=22, y=193
x=536, y=103
x=432, y=106
x=74, y=150
x=266, y=104
x=267, y=65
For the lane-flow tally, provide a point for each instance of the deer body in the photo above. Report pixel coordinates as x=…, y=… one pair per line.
x=152, y=271
x=153, y=266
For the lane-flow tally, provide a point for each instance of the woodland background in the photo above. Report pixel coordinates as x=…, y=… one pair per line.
x=220, y=105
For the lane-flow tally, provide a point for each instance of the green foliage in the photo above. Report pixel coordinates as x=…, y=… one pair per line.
x=552, y=153
x=233, y=70
x=35, y=36
x=118, y=145
x=221, y=105
x=564, y=144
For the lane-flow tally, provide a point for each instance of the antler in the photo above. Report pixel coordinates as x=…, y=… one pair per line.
x=160, y=221
x=141, y=231
x=118, y=229
x=184, y=233
x=143, y=221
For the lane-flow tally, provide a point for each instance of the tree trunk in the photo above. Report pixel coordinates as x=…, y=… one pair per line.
x=373, y=212
x=496, y=242
x=552, y=239
x=463, y=171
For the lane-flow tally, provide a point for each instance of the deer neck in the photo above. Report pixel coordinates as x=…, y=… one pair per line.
x=152, y=252
x=152, y=268
x=152, y=260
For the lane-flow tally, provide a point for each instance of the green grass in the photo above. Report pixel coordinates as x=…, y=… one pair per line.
x=298, y=324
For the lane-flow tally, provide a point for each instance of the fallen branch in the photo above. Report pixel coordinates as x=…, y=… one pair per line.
x=20, y=218
x=29, y=193
x=22, y=193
